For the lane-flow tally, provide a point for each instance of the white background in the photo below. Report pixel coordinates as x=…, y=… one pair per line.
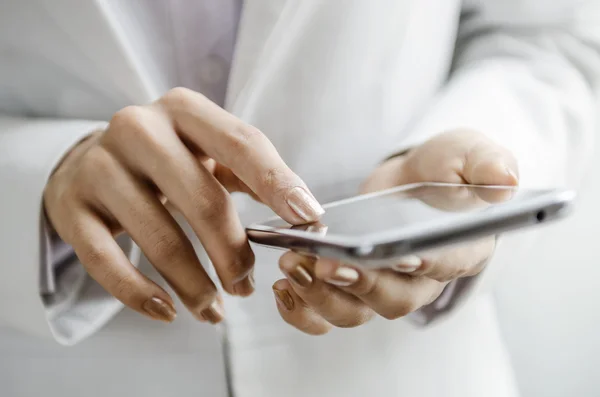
x=549, y=304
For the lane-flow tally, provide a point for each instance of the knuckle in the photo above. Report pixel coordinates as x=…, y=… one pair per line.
x=400, y=309
x=473, y=271
x=311, y=329
x=357, y=319
x=271, y=179
x=246, y=134
x=426, y=267
x=125, y=286
x=448, y=274
x=69, y=194
x=178, y=97
x=165, y=246
x=127, y=119
x=243, y=137
x=271, y=176
x=212, y=204
x=289, y=260
x=97, y=162
x=60, y=197
x=435, y=293
x=457, y=272
x=368, y=287
x=94, y=258
x=136, y=124
x=241, y=263
x=97, y=167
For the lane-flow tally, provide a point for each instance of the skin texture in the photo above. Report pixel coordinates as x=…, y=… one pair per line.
x=187, y=151
x=318, y=294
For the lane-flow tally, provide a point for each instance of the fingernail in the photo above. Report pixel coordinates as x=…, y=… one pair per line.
x=284, y=299
x=408, y=264
x=304, y=205
x=300, y=276
x=512, y=175
x=160, y=310
x=214, y=313
x=244, y=287
x=343, y=277
x=317, y=228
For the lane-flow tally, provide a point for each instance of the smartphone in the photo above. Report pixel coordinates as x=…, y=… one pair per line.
x=374, y=229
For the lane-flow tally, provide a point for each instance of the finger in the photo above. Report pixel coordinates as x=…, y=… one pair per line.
x=231, y=182
x=489, y=164
x=449, y=263
x=296, y=313
x=226, y=177
x=161, y=239
x=334, y=305
x=457, y=198
x=388, y=293
x=106, y=263
x=152, y=149
x=244, y=150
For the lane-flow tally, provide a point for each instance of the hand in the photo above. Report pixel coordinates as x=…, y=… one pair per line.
x=187, y=150
x=318, y=293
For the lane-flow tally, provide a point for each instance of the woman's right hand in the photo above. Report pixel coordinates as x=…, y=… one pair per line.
x=188, y=151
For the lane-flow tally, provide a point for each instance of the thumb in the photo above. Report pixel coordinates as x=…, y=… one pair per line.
x=490, y=164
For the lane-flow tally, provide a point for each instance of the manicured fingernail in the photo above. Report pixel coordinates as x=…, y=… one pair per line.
x=284, y=299
x=513, y=176
x=244, y=287
x=214, y=313
x=299, y=275
x=408, y=264
x=343, y=277
x=317, y=228
x=160, y=310
x=304, y=205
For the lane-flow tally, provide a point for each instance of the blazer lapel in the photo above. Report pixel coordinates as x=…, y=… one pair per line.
x=96, y=34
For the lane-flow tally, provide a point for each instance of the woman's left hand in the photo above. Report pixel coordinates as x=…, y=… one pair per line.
x=318, y=293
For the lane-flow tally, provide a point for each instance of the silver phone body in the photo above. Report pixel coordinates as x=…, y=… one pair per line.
x=374, y=229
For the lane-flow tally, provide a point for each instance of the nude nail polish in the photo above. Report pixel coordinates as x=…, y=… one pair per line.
x=160, y=310
x=299, y=275
x=244, y=287
x=513, y=176
x=214, y=313
x=408, y=264
x=304, y=205
x=343, y=277
x=284, y=299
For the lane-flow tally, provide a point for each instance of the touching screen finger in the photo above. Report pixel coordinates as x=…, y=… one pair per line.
x=156, y=153
x=246, y=151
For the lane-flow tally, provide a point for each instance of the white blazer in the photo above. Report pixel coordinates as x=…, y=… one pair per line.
x=337, y=86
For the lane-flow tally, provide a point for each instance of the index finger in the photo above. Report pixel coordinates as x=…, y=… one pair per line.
x=243, y=149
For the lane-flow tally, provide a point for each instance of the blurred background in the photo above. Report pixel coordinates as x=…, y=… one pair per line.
x=549, y=304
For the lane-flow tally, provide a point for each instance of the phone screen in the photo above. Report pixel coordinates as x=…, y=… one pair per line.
x=421, y=205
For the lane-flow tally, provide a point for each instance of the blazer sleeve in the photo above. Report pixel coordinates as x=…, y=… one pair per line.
x=72, y=308
x=527, y=74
